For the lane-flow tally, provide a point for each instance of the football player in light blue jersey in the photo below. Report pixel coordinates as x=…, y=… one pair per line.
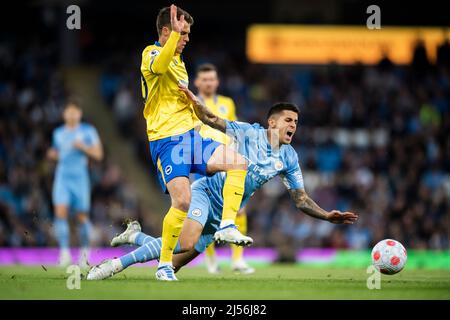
x=73, y=143
x=268, y=153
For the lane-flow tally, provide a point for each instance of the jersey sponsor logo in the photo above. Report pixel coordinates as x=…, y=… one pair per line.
x=196, y=212
x=168, y=169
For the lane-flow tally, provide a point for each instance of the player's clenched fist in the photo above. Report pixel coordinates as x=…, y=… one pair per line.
x=177, y=25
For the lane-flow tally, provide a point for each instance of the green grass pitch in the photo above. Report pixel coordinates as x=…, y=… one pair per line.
x=269, y=282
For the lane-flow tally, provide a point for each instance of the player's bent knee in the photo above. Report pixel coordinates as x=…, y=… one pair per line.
x=181, y=204
x=181, y=199
x=187, y=244
x=82, y=217
x=61, y=211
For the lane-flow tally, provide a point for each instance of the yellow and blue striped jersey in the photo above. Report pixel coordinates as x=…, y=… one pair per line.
x=222, y=107
x=167, y=110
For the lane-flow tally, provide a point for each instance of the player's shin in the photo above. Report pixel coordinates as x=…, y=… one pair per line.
x=233, y=191
x=61, y=227
x=149, y=251
x=210, y=259
x=172, y=225
x=210, y=251
x=62, y=234
x=84, y=233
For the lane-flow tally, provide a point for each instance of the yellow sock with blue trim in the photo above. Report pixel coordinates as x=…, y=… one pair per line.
x=233, y=191
x=172, y=225
x=237, y=252
x=210, y=250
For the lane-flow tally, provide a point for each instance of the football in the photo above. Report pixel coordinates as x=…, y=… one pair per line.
x=389, y=256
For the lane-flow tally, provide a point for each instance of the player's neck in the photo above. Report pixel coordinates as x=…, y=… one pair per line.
x=205, y=96
x=72, y=126
x=162, y=40
x=274, y=140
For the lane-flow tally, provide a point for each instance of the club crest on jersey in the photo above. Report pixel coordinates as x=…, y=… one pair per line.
x=223, y=109
x=79, y=136
x=154, y=53
x=278, y=165
x=196, y=212
x=168, y=169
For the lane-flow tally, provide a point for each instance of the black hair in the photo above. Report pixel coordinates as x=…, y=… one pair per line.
x=72, y=101
x=206, y=67
x=281, y=106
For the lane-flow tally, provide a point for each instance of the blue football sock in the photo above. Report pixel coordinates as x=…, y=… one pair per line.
x=147, y=252
x=61, y=227
x=84, y=233
x=142, y=239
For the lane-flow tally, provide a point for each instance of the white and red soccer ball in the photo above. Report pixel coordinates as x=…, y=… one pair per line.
x=389, y=256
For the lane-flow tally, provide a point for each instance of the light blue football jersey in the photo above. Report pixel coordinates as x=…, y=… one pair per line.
x=264, y=163
x=71, y=161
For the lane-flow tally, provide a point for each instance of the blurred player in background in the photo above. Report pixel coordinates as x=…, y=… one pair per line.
x=207, y=83
x=170, y=130
x=73, y=143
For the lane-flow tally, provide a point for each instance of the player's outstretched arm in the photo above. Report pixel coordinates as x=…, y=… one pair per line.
x=308, y=206
x=203, y=112
x=160, y=63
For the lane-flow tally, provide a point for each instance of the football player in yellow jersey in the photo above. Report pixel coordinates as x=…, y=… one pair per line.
x=176, y=147
x=207, y=83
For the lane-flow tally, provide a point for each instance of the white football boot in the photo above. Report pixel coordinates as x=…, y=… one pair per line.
x=241, y=267
x=166, y=273
x=231, y=234
x=105, y=270
x=126, y=237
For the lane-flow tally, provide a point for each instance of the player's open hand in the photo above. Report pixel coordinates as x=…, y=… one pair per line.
x=339, y=217
x=189, y=94
x=177, y=25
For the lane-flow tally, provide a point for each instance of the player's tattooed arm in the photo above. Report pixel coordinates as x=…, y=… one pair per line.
x=304, y=203
x=203, y=112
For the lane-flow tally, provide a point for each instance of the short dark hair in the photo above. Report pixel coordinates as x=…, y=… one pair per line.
x=281, y=106
x=163, y=18
x=72, y=101
x=205, y=67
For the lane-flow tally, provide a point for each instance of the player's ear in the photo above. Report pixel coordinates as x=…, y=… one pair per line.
x=196, y=82
x=165, y=31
